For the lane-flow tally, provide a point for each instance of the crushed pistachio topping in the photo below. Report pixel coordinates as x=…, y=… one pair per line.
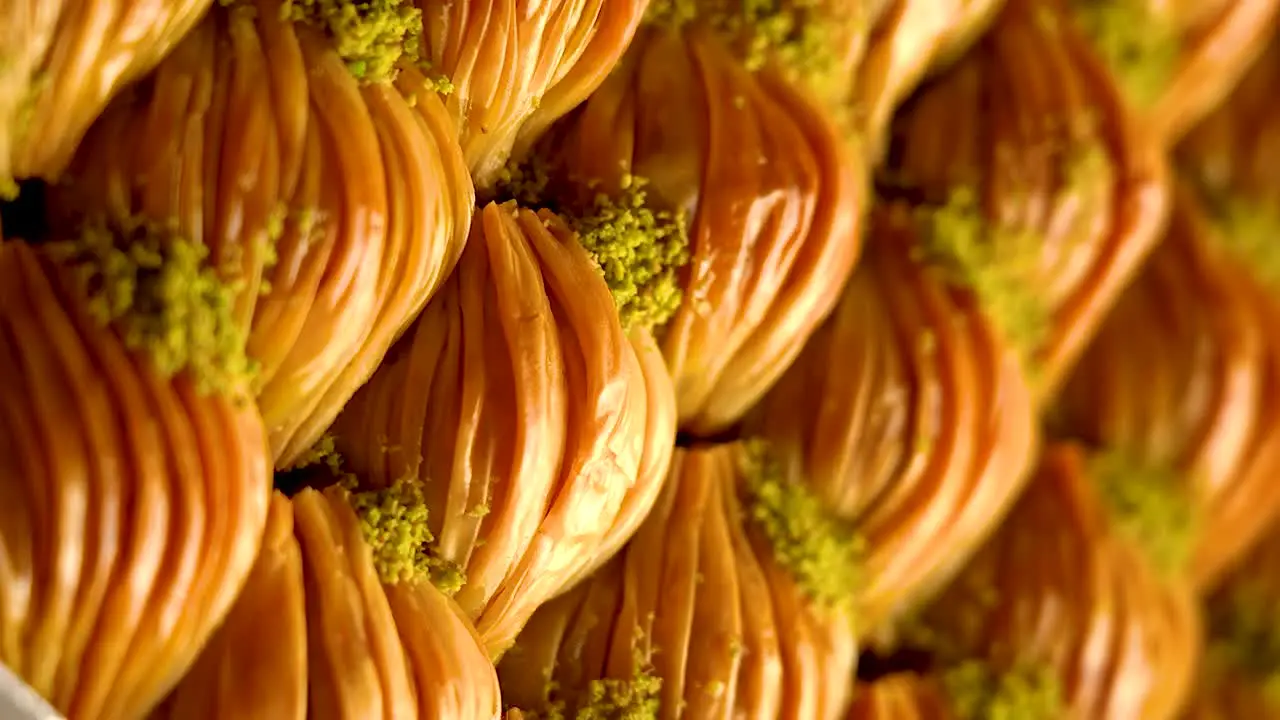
x=1139, y=47
x=801, y=35
x=1244, y=630
x=394, y=523
x=159, y=292
x=1250, y=231
x=638, y=698
x=610, y=699
x=524, y=181
x=977, y=692
x=1150, y=506
x=324, y=452
x=999, y=265
x=639, y=250
x=821, y=553
x=370, y=35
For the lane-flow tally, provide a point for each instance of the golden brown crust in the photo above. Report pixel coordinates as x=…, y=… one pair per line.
x=1030, y=128
x=771, y=191
x=134, y=504
x=1184, y=375
x=255, y=666
x=909, y=416
x=339, y=206
x=697, y=601
x=515, y=67
x=911, y=38
x=1058, y=586
x=317, y=635
x=64, y=60
x=1218, y=42
x=540, y=430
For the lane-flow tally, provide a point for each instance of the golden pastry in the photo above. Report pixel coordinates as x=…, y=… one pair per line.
x=1174, y=59
x=967, y=691
x=303, y=148
x=1184, y=379
x=724, y=110
x=1083, y=582
x=1036, y=188
x=733, y=599
x=512, y=67
x=1229, y=161
x=133, y=465
x=538, y=429
x=909, y=415
x=337, y=621
x=63, y=61
x=908, y=39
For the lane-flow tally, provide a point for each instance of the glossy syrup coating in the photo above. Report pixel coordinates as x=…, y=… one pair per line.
x=909, y=415
x=720, y=606
x=731, y=127
x=1175, y=60
x=1068, y=586
x=63, y=61
x=134, y=468
x=311, y=156
x=537, y=428
x=321, y=631
x=1184, y=379
x=1040, y=191
x=512, y=67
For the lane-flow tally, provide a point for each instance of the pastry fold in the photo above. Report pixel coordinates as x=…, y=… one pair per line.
x=514, y=67
x=1175, y=60
x=1037, y=187
x=135, y=487
x=909, y=415
x=710, y=611
x=323, y=175
x=1069, y=585
x=539, y=430
x=63, y=61
x=909, y=40
x=734, y=132
x=319, y=633
x=1184, y=377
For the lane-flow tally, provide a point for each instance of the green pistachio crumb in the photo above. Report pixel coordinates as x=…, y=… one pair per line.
x=394, y=523
x=524, y=181
x=478, y=511
x=815, y=547
x=1250, y=232
x=441, y=84
x=1244, y=632
x=999, y=265
x=1150, y=506
x=1140, y=48
x=370, y=35
x=639, y=250
x=610, y=699
x=800, y=35
x=323, y=452
x=158, y=290
x=605, y=699
x=977, y=692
